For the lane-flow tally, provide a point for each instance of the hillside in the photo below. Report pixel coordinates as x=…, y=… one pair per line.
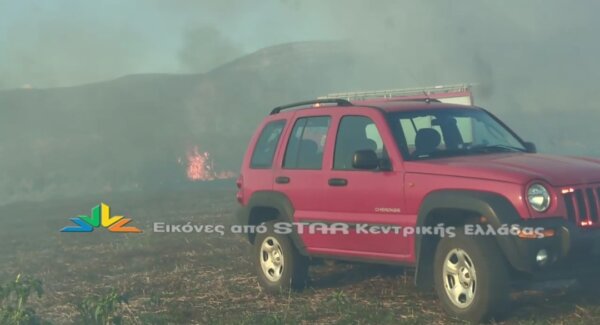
x=135, y=132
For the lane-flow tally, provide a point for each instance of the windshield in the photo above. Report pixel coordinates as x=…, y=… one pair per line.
x=447, y=132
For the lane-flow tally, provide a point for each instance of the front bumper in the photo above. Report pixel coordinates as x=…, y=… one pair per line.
x=572, y=251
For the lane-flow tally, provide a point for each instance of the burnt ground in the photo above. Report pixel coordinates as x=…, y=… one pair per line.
x=176, y=278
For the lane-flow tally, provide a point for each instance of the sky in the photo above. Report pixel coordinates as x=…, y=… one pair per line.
x=52, y=43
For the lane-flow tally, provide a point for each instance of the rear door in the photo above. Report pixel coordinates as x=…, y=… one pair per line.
x=300, y=173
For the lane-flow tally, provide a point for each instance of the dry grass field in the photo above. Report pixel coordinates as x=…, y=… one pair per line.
x=176, y=278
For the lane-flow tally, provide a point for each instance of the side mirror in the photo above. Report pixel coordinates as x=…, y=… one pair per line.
x=365, y=159
x=530, y=147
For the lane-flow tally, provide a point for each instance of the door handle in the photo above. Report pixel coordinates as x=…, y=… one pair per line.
x=282, y=180
x=338, y=182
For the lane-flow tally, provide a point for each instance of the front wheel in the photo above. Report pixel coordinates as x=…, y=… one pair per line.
x=471, y=277
x=279, y=265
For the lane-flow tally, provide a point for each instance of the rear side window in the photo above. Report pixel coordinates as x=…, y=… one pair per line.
x=263, y=154
x=306, y=143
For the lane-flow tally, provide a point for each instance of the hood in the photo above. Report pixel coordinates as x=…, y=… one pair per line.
x=515, y=168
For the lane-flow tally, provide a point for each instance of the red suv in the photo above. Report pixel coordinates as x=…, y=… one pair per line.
x=447, y=189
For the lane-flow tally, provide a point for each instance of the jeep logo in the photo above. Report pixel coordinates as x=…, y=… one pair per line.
x=387, y=210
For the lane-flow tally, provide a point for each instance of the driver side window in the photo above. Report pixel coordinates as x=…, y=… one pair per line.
x=356, y=133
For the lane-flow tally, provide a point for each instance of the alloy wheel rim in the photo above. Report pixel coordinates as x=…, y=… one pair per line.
x=271, y=259
x=460, y=278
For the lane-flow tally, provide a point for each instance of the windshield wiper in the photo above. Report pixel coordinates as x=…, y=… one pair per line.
x=496, y=148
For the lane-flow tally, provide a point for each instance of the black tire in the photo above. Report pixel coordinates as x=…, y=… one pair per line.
x=293, y=273
x=488, y=284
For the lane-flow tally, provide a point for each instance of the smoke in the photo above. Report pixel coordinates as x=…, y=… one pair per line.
x=537, y=53
x=205, y=48
x=50, y=52
x=520, y=43
x=534, y=65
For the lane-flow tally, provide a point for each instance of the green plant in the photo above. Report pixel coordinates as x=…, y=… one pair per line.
x=340, y=300
x=102, y=310
x=13, y=301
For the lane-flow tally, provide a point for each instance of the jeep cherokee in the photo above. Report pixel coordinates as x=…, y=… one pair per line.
x=407, y=166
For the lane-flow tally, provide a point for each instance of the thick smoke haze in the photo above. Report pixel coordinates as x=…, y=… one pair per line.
x=69, y=42
x=205, y=48
x=204, y=73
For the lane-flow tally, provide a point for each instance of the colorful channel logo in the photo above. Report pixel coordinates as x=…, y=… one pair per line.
x=101, y=217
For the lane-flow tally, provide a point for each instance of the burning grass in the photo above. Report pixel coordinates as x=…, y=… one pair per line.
x=201, y=167
x=171, y=278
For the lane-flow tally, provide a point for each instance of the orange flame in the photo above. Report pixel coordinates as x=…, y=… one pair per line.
x=200, y=167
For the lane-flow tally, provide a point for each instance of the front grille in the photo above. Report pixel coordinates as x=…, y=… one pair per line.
x=583, y=205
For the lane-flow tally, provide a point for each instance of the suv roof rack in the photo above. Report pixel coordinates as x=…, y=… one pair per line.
x=412, y=94
x=417, y=99
x=338, y=101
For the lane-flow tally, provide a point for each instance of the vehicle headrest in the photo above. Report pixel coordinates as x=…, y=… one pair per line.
x=427, y=140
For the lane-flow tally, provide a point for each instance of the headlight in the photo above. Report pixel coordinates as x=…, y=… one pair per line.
x=538, y=197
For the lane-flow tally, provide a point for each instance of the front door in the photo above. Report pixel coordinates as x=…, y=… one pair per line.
x=371, y=201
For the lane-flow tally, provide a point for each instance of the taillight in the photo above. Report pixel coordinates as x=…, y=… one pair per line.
x=240, y=193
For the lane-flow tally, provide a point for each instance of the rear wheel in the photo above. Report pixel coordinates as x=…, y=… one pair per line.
x=471, y=277
x=279, y=265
